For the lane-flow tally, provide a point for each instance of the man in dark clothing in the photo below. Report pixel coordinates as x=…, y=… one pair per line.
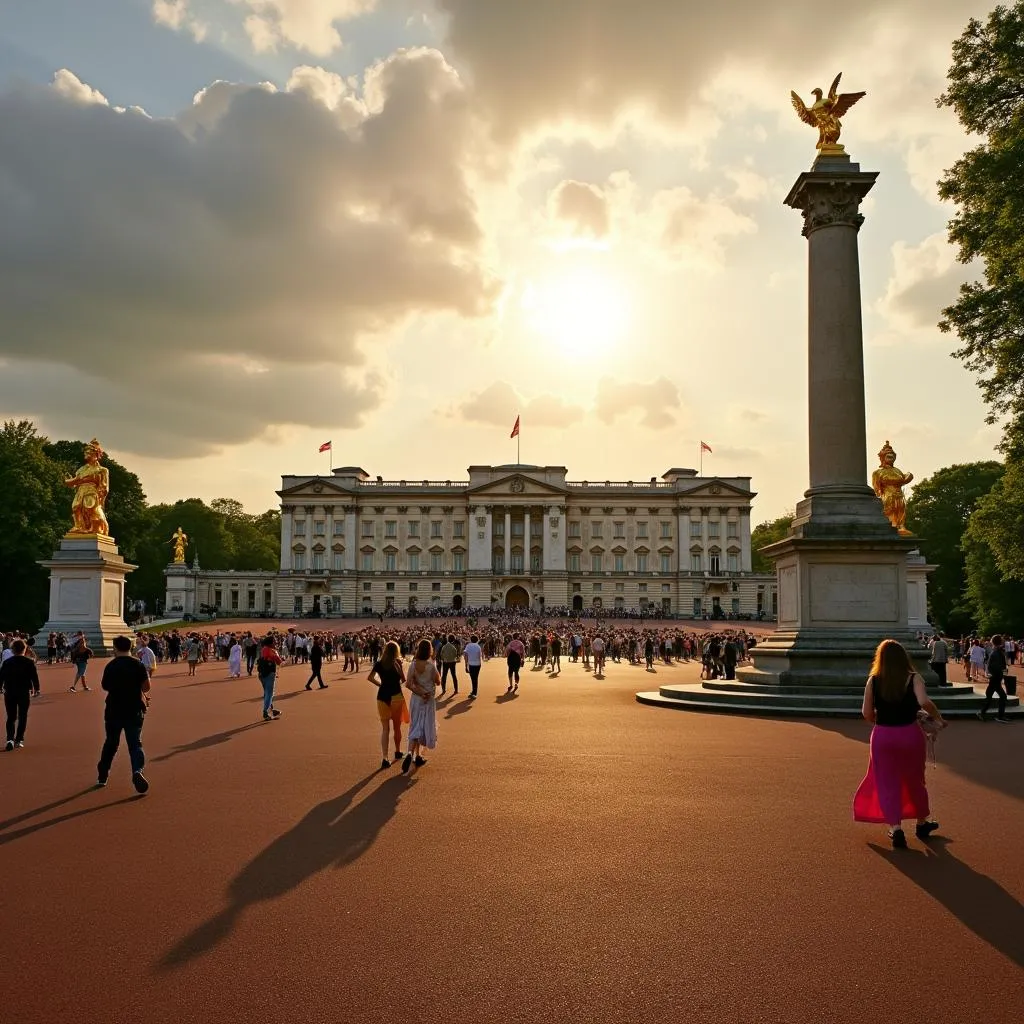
x=316, y=663
x=729, y=657
x=996, y=669
x=126, y=681
x=252, y=652
x=18, y=681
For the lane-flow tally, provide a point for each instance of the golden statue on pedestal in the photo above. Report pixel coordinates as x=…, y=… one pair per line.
x=92, y=485
x=888, y=483
x=178, y=539
x=824, y=114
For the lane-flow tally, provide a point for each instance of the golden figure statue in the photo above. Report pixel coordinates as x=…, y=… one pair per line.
x=824, y=114
x=92, y=485
x=178, y=539
x=888, y=483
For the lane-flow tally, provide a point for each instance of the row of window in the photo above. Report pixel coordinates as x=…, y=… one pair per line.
x=234, y=599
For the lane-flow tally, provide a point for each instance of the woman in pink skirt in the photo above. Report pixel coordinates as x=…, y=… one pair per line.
x=894, y=787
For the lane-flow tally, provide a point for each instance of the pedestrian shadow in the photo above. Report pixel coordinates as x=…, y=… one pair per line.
x=504, y=698
x=203, y=682
x=277, y=697
x=207, y=741
x=10, y=837
x=976, y=900
x=332, y=834
x=18, y=818
x=459, y=709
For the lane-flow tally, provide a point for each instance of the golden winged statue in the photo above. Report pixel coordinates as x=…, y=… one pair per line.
x=824, y=114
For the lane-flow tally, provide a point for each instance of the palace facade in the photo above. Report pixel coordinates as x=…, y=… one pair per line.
x=511, y=535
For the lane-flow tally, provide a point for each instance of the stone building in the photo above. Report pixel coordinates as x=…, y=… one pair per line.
x=509, y=535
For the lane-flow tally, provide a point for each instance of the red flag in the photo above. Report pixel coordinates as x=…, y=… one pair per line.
x=705, y=447
x=515, y=429
x=325, y=447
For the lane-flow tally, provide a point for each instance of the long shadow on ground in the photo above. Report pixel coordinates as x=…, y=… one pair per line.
x=334, y=833
x=980, y=903
x=207, y=741
x=969, y=759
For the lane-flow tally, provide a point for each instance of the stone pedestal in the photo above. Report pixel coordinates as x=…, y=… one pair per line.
x=87, y=591
x=918, y=570
x=180, y=596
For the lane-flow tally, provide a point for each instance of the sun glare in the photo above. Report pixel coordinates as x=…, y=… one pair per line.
x=580, y=310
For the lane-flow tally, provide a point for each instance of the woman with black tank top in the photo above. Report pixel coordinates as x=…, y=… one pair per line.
x=388, y=675
x=894, y=787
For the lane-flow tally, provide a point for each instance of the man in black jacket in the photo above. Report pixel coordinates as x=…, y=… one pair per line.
x=126, y=681
x=18, y=681
x=996, y=669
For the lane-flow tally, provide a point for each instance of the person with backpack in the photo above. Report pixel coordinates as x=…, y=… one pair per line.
x=266, y=669
x=996, y=668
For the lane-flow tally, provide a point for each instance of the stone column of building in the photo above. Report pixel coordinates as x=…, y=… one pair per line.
x=508, y=539
x=746, y=554
x=351, y=537
x=527, y=566
x=286, y=538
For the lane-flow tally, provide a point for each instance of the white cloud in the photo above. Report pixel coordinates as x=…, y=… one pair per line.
x=696, y=229
x=177, y=15
x=657, y=401
x=309, y=25
x=153, y=264
x=499, y=404
x=925, y=279
x=581, y=207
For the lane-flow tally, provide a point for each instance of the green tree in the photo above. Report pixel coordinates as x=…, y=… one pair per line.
x=938, y=512
x=997, y=604
x=986, y=90
x=34, y=515
x=764, y=534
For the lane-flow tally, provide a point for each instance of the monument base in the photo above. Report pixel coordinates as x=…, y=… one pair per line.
x=87, y=576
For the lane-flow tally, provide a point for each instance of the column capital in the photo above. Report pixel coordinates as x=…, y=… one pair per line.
x=830, y=195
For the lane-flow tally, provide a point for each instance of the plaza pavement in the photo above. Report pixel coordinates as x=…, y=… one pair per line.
x=566, y=855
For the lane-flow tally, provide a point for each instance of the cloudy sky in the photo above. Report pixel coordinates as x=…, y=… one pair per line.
x=231, y=230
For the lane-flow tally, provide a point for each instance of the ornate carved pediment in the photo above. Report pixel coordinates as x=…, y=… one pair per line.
x=516, y=484
x=665, y=550
x=337, y=547
x=642, y=549
x=414, y=549
x=719, y=488
x=618, y=550
x=299, y=546
x=313, y=485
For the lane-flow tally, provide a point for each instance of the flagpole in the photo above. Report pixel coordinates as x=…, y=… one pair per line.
x=700, y=472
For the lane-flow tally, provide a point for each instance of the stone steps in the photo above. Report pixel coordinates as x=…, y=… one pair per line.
x=736, y=686
x=744, y=700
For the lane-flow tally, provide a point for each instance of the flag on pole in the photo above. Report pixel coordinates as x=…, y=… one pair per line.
x=325, y=447
x=515, y=429
x=705, y=447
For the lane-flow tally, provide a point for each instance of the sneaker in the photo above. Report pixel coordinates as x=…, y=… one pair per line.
x=274, y=713
x=101, y=782
x=385, y=764
x=140, y=782
x=407, y=763
x=1001, y=719
x=420, y=762
x=899, y=840
x=982, y=717
x=20, y=744
x=399, y=755
x=925, y=829
x=10, y=745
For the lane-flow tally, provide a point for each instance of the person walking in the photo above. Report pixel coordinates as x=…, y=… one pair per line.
x=938, y=658
x=975, y=661
x=252, y=652
x=449, y=657
x=193, y=653
x=18, y=681
x=556, y=655
x=996, y=668
x=235, y=659
x=388, y=676
x=473, y=656
x=266, y=669
x=316, y=663
x=146, y=656
x=80, y=655
x=597, y=647
x=894, y=787
x=423, y=680
x=515, y=652
x=126, y=682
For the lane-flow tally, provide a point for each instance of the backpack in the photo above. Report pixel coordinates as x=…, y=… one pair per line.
x=264, y=666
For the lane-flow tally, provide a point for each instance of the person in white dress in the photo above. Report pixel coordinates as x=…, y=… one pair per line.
x=423, y=680
x=235, y=660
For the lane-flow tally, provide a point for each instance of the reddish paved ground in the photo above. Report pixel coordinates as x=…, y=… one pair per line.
x=568, y=855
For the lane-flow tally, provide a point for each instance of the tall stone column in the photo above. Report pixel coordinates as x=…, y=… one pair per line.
x=286, y=538
x=527, y=564
x=508, y=540
x=842, y=571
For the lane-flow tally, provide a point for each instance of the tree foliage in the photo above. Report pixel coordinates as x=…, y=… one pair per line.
x=986, y=90
x=764, y=534
x=997, y=604
x=938, y=512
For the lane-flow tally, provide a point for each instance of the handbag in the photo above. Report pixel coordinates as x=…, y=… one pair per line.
x=931, y=727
